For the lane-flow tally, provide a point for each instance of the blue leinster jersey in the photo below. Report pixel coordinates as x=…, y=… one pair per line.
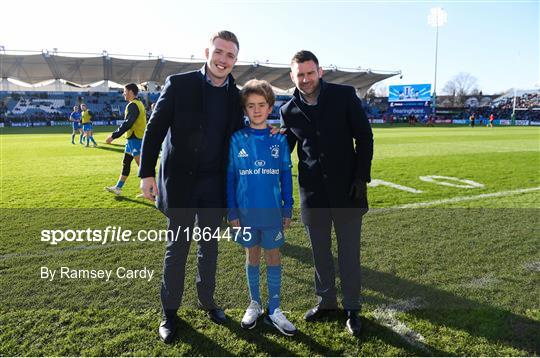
x=259, y=180
x=75, y=116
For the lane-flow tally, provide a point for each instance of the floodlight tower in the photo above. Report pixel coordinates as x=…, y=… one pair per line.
x=437, y=18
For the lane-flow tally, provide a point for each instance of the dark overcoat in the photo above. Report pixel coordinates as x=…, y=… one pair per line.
x=334, y=149
x=177, y=127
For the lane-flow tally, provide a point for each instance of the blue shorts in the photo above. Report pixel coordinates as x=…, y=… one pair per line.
x=133, y=146
x=87, y=127
x=266, y=238
x=76, y=125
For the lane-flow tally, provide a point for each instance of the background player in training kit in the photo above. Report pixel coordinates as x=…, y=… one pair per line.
x=133, y=126
x=471, y=120
x=259, y=196
x=86, y=120
x=75, y=118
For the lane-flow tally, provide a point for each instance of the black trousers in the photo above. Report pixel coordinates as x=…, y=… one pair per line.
x=348, y=240
x=206, y=211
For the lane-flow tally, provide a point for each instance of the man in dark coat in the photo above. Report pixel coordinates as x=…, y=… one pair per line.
x=193, y=120
x=335, y=147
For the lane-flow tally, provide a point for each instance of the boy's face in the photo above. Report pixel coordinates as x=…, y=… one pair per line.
x=258, y=110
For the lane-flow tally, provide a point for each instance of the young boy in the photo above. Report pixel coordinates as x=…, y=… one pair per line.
x=259, y=199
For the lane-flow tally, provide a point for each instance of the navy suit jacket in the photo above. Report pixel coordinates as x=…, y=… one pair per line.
x=177, y=128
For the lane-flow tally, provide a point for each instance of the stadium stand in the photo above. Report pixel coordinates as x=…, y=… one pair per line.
x=527, y=107
x=38, y=106
x=524, y=101
x=56, y=106
x=30, y=106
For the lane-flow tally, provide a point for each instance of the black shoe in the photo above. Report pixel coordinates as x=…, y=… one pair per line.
x=167, y=329
x=354, y=326
x=217, y=315
x=317, y=313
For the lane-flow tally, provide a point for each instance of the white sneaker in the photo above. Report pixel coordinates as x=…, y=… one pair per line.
x=114, y=189
x=281, y=322
x=253, y=312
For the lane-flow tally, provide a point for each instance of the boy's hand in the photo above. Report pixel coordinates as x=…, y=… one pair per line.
x=109, y=139
x=235, y=223
x=286, y=223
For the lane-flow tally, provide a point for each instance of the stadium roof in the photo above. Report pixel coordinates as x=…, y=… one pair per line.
x=35, y=68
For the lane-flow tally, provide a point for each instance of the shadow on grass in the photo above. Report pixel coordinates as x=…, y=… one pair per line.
x=446, y=309
x=117, y=145
x=257, y=336
x=140, y=201
x=204, y=345
x=115, y=148
x=372, y=331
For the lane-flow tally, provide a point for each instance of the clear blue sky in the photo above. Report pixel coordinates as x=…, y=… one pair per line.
x=497, y=42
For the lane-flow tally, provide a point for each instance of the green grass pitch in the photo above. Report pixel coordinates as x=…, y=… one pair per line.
x=450, y=266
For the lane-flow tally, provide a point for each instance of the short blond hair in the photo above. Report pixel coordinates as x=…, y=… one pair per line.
x=225, y=35
x=260, y=87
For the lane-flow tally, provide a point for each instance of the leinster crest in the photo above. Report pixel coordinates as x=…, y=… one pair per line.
x=274, y=151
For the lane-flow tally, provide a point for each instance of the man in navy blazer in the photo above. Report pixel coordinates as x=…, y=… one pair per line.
x=192, y=122
x=335, y=147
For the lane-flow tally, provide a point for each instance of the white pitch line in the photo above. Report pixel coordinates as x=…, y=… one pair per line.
x=532, y=266
x=465, y=198
x=386, y=315
x=378, y=182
